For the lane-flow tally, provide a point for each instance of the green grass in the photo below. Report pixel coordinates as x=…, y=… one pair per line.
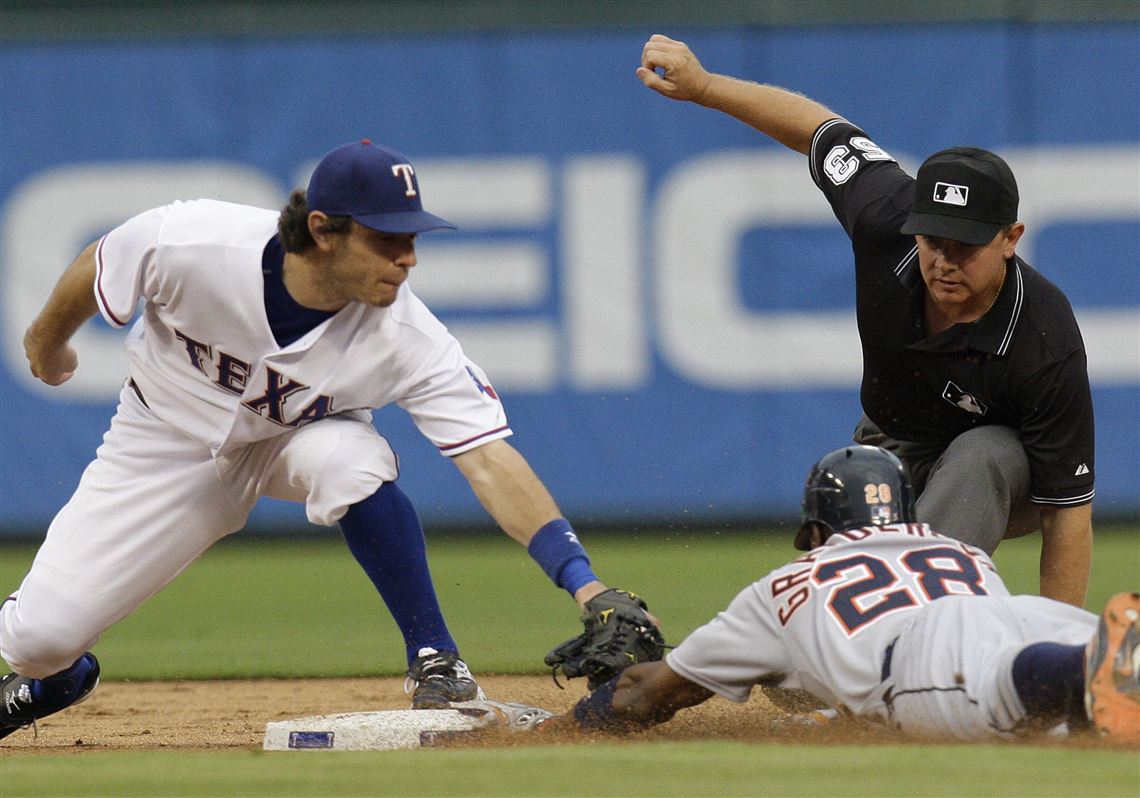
x=302, y=607
x=298, y=607
x=597, y=770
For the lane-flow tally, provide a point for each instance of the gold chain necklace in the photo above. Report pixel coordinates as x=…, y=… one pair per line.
x=1001, y=285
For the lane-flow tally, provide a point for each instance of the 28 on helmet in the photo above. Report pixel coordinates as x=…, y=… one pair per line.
x=855, y=486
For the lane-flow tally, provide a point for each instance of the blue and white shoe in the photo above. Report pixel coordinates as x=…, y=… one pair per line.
x=18, y=709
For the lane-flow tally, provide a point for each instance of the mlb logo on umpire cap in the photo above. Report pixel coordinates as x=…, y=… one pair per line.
x=951, y=194
x=963, y=194
x=375, y=185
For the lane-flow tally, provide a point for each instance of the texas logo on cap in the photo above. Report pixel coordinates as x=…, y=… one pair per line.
x=951, y=194
x=375, y=185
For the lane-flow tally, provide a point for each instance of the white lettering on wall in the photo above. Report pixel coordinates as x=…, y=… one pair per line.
x=1060, y=185
x=637, y=274
x=602, y=284
x=705, y=332
x=513, y=198
x=49, y=219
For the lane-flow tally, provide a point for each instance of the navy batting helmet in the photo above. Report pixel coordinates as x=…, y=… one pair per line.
x=852, y=487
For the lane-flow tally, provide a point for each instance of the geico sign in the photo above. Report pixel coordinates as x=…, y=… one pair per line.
x=639, y=275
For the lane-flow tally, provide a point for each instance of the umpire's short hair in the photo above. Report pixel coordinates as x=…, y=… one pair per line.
x=293, y=224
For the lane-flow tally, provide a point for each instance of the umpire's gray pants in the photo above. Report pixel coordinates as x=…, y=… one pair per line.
x=975, y=490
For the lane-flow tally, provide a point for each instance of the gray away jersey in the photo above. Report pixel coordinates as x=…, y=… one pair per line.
x=823, y=622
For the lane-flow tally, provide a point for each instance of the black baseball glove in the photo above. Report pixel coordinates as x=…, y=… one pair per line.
x=619, y=633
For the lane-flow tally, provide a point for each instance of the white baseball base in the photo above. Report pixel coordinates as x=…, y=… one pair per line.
x=375, y=731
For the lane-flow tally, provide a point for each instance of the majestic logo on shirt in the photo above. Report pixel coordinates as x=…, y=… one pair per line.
x=962, y=400
x=232, y=375
x=1082, y=469
x=950, y=194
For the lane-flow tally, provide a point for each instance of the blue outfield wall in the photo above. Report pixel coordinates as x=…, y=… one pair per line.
x=658, y=292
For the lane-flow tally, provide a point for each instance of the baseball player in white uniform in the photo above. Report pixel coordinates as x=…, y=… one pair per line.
x=886, y=620
x=263, y=342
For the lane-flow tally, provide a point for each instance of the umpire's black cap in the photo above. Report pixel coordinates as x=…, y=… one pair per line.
x=963, y=194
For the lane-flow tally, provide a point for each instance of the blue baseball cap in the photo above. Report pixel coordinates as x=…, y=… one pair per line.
x=374, y=185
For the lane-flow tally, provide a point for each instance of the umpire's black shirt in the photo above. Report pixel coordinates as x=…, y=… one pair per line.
x=1021, y=365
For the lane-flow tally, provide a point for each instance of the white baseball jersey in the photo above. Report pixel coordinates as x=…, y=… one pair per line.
x=893, y=623
x=207, y=363
x=225, y=417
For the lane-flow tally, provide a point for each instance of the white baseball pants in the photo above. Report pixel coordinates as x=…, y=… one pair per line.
x=951, y=670
x=151, y=502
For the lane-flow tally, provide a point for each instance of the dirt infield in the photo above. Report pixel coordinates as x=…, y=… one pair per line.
x=233, y=714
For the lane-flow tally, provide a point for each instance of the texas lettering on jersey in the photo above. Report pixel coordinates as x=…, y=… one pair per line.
x=232, y=374
x=198, y=266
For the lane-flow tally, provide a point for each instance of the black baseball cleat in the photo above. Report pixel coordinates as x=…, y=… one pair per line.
x=19, y=710
x=440, y=678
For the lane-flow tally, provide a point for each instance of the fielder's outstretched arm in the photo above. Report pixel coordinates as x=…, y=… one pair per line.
x=789, y=118
x=72, y=302
x=514, y=496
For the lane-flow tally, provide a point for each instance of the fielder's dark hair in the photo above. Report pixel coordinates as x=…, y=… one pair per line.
x=293, y=224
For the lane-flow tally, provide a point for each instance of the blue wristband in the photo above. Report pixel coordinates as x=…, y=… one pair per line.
x=557, y=551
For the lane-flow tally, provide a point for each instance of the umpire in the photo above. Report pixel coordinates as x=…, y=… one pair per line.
x=974, y=370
